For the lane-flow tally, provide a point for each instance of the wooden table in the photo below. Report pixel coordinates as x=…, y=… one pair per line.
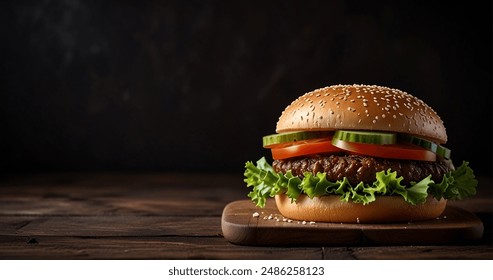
x=167, y=216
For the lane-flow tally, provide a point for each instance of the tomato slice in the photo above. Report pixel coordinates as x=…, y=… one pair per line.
x=394, y=151
x=301, y=148
x=329, y=145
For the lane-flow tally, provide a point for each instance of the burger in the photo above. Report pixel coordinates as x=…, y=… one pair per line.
x=358, y=154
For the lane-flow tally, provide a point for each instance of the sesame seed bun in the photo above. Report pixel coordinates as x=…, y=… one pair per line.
x=330, y=208
x=362, y=107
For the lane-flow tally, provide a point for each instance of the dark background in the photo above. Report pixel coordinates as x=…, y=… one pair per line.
x=194, y=85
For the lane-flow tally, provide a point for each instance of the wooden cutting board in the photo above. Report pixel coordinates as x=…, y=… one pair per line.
x=244, y=224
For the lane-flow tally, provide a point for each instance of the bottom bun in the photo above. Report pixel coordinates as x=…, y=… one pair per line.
x=385, y=209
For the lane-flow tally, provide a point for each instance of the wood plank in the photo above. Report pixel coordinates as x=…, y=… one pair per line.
x=424, y=252
x=240, y=226
x=100, y=194
x=159, y=205
x=100, y=226
x=103, y=184
x=49, y=247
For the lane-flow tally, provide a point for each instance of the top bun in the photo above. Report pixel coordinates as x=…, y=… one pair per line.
x=362, y=107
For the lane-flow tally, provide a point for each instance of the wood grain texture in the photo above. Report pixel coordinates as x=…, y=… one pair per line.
x=165, y=216
x=173, y=247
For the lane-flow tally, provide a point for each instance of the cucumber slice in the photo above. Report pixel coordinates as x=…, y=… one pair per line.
x=423, y=143
x=366, y=137
x=443, y=152
x=427, y=144
x=274, y=139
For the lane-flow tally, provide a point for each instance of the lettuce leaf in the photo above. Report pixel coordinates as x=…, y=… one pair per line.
x=457, y=184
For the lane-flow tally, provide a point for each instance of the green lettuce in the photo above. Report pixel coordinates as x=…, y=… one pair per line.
x=455, y=185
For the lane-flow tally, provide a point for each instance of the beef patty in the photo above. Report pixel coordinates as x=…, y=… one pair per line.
x=359, y=168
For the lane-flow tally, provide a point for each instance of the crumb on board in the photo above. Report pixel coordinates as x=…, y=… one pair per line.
x=279, y=218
